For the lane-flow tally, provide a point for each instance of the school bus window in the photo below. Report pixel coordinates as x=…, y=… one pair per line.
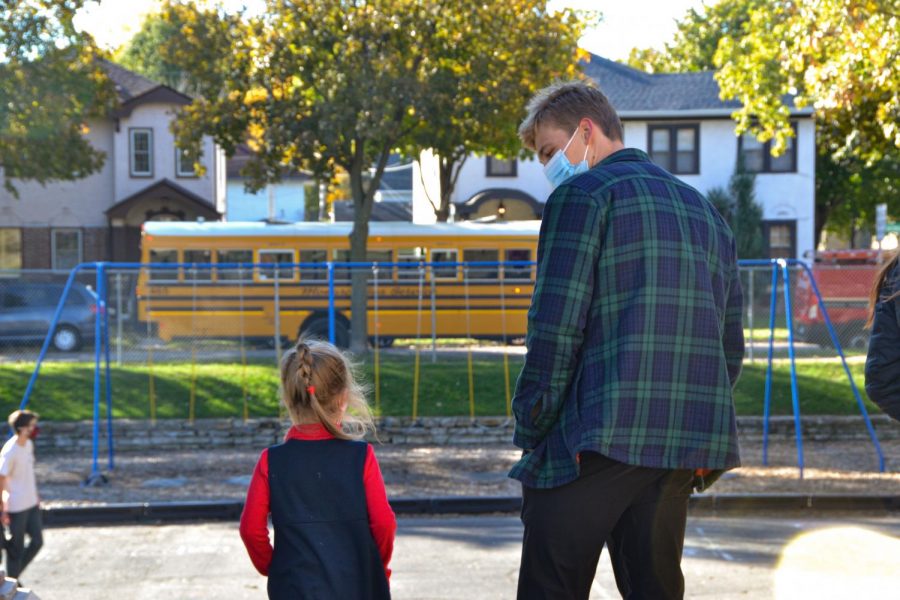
x=521, y=272
x=164, y=257
x=197, y=257
x=242, y=261
x=380, y=256
x=482, y=271
x=407, y=256
x=269, y=261
x=314, y=257
x=444, y=256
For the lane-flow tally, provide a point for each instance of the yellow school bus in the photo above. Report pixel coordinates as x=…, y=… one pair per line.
x=282, y=287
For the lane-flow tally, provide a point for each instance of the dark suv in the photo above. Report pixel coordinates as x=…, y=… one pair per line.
x=26, y=311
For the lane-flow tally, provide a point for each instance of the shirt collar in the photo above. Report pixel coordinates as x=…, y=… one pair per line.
x=308, y=431
x=626, y=155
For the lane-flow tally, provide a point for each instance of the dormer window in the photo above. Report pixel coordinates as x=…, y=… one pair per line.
x=141, y=152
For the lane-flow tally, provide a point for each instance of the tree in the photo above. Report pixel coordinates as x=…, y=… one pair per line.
x=696, y=38
x=855, y=166
x=489, y=58
x=143, y=53
x=51, y=83
x=739, y=208
x=838, y=56
x=322, y=85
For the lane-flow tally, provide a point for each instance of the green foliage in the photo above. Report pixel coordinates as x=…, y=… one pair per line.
x=487, y=60
x=696, y=38
x=64, y=391
x=744, y=215
x=837, y=56
x=51, y=83
x=142, y=54
x=328, y=86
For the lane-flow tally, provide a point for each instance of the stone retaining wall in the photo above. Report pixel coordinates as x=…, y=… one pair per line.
x=258, y=433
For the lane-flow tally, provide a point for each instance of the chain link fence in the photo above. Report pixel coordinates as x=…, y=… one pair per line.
x=445, y=338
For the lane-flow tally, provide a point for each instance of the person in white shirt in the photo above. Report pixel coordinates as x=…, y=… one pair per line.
x=21, y=505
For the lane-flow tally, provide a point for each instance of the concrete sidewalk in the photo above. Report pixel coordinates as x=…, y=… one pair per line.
x=477, y=558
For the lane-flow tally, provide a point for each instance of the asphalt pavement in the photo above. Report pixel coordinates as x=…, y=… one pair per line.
x=476, y=558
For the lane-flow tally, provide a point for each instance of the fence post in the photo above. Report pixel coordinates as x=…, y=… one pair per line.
x=768, y=395
x=433, y=318
x=109, y=421
x=751, y=274
x=118, y=319
x=96, y=478
x=331, y=302
x=798, y=434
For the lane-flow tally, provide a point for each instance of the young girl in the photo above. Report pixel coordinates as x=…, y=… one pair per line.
x=883, y=360
x=334, y=528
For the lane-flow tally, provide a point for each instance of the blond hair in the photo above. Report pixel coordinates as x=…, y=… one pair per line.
x=314, y=377
x=563, y=105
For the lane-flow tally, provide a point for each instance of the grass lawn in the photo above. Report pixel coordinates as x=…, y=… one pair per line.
x=64, y=391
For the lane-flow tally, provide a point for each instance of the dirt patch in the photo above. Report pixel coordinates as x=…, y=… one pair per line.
x=428, y=471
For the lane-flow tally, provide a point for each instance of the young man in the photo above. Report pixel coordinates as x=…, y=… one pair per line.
x=21, y=509
x=634, y=343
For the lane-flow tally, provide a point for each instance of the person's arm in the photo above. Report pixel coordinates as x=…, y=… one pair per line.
x=568, y=250
x=254, y=526
x=382, y=522
x=883, y=358
x=4, y=506
x=6, y=467
x=733, y=333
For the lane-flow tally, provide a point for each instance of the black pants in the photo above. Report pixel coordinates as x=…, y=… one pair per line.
x=640, y=512
x=17, y=554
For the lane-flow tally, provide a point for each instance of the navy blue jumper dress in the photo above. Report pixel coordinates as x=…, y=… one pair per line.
x=323, y=548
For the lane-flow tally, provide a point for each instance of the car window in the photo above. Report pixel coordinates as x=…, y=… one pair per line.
x=15, y=298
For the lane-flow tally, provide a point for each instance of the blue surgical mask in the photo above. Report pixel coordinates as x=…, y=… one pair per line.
x=560, y=169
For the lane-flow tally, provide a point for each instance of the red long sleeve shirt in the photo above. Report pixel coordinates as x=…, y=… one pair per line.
x=254, y=520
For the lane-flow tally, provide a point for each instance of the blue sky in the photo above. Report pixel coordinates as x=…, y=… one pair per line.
x=626, y=24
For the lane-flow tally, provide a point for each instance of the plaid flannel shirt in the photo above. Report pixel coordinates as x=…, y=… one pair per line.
x=634, y=332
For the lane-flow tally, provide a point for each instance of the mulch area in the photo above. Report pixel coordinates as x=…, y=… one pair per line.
x=840, y=467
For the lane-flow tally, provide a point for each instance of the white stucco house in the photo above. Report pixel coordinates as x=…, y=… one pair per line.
x=145, y=177
x=679, y=120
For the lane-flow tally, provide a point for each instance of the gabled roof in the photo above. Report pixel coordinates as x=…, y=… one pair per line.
x=134, y=90
x=636, y=94
x=167, y=190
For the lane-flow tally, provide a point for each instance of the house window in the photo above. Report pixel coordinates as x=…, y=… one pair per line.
x=675, y=148
x=10, y=248
x=780, y=238
x=141, y=150
x=65, y=248
x=758, y=155
x=501, y=168
x=184, y=163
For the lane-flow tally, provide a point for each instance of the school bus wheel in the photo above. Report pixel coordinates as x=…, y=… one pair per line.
x=316, y=326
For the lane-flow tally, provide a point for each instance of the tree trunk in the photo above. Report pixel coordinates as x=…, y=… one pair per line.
x=448, y=169
x=359, y=238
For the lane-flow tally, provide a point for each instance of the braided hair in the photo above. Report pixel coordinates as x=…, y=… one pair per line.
x=315, y=378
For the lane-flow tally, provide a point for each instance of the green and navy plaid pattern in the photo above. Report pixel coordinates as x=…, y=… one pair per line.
x=634, y=332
